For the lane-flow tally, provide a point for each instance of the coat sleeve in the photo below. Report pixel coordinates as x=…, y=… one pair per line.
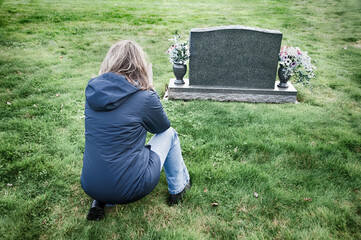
x=154, y=118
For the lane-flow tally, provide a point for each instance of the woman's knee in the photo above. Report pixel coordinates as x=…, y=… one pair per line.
x=170, y=133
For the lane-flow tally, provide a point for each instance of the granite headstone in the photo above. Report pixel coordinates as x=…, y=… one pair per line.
x=234, y=56
x=233, y=63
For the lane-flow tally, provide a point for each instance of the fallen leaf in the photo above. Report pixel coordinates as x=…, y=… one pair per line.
x=214, y=204
x=61, y=57
x=8, y=103
x=255, y=195
x=205, y=190
x=35, y=106
x=307, y=199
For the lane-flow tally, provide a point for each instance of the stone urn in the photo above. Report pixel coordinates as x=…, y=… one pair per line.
x=179, y=71
x=283, y=77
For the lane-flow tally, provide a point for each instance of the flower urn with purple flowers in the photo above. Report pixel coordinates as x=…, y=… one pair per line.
x=293, y=61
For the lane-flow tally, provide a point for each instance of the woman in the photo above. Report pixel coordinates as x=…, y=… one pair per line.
x=121, y=107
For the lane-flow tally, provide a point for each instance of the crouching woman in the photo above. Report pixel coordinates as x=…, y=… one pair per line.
x=121, y=107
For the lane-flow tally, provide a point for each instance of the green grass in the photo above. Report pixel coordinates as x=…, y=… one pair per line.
x=302, y=159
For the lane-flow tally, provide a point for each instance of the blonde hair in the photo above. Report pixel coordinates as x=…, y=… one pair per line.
x=128, y=58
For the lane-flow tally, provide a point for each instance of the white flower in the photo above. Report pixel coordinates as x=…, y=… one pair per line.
x=292, y=51
x=178, y=52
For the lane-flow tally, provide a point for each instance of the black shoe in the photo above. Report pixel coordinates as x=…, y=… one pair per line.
x=96, y=211
x=177, y=198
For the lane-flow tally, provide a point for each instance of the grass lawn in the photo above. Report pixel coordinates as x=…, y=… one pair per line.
x=302, y=159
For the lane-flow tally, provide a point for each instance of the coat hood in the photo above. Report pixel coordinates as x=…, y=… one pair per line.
x=107, y=91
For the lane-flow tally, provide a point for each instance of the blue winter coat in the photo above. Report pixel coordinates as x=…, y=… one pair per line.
x=117, y=166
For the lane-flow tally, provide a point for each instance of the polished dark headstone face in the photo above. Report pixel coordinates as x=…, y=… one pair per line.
x=234, y=56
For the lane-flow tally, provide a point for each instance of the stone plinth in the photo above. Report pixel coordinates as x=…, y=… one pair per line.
x=192, y=92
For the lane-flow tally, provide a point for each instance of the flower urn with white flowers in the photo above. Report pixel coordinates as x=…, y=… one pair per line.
x=178, y=55
x=294, y=62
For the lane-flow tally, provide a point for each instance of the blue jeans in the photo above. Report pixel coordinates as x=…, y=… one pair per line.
x=167, y=146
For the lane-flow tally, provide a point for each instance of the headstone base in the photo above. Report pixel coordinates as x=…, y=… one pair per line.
x=276, y=95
